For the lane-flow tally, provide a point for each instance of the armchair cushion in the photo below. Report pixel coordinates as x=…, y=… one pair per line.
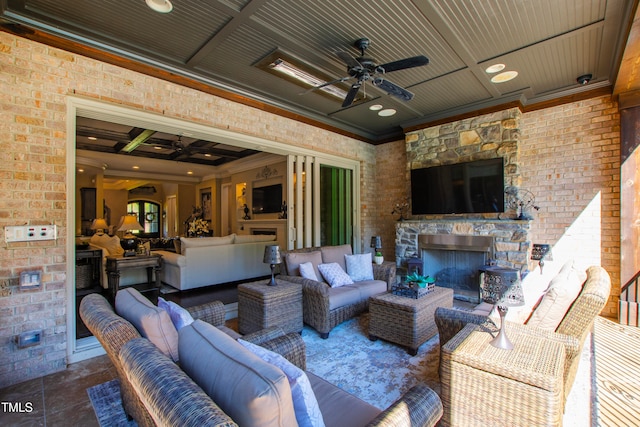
x=239, y=378
x=110, y=243
x=305, y=404
x=152, y=322
x=562, y=291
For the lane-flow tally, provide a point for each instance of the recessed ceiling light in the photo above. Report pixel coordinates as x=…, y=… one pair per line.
x=207, y=155
x=387, y=112
x=92, y=138
x=135, y=167
x=161, y=6
x=189, y=172
x=504, y=77
x=495, y=68
x=157, y=147
x=80, y=170
x=375, y=107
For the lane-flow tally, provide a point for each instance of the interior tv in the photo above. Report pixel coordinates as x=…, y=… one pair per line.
x=267, y=199
x=472, y=187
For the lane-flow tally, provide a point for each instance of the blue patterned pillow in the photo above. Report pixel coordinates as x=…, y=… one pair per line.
x=359, y=267
x=334, y=274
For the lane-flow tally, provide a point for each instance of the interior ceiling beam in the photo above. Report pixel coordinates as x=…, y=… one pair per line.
x=139, y=137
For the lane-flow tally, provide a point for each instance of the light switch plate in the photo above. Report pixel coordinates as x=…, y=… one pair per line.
x=27, y=233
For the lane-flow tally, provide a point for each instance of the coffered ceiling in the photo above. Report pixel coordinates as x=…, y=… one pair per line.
x=221, y=46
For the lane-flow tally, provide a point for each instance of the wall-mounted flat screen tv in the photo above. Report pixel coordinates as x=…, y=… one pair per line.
x=267, y=199
x=472, y=187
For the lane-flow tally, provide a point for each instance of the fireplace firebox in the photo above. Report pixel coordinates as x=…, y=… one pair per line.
x=455, y=261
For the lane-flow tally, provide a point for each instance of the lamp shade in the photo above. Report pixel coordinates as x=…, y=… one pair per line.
x=99, y=224
x=130, y=222
x=502, y=286
x=376, y=242
x=272, y=254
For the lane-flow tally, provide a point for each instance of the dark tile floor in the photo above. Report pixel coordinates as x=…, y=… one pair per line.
x=58, y=399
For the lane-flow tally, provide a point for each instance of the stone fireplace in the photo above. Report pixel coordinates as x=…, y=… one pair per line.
x=454, y=250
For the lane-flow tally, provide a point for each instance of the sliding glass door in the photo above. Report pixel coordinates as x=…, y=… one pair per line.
x=325, y=199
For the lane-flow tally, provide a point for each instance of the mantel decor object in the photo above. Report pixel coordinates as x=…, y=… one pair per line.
x=502, y=288
x=129, y=242
x=273, y=258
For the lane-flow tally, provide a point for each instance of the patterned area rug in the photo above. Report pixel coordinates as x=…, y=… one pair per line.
x=107, y=405
x=378, y=372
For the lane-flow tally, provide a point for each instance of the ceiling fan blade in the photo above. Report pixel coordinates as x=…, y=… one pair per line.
x=393, y=89
x=348, y=100
x=311, y=89
x=416, y=61
x=349, y=60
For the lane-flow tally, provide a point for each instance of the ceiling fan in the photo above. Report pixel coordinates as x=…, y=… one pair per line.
x=365, y=69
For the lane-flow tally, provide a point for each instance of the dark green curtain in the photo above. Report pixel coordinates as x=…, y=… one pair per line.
x=336, y=205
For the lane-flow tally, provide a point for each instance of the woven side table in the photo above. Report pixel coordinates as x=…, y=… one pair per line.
x=406, y=321
x=261, y=306
x=485, y=385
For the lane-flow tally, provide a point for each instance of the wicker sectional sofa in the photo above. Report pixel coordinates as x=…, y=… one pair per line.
x=325, y=307
x=157, y=391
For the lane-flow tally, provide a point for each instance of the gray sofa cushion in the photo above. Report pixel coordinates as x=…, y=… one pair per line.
x=248, y=389
x=369, y=288
x=340, y=408
x=336, y=254
x=343, y=296
x=152, y=322
x=293, y=261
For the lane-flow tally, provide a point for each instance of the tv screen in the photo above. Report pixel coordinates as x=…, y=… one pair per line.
x=267, y=199
x=472, y=187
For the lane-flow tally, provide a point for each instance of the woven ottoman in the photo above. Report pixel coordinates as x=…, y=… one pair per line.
x=261, y=306
x=404, y=320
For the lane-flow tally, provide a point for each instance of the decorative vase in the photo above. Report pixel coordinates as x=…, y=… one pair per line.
x=378, y=259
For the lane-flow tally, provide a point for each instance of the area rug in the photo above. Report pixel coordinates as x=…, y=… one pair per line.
x=378, y=372
x=107, y=404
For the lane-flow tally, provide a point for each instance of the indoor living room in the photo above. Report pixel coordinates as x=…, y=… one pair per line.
x=565, y=135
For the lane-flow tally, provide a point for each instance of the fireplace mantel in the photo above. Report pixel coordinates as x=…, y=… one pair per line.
x=511, y=237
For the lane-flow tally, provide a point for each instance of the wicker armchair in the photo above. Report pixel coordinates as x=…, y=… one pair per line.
x=113, y=332
x=316, y=310
x=570, y=334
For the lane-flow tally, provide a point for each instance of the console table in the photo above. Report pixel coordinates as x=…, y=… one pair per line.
x=117, y=264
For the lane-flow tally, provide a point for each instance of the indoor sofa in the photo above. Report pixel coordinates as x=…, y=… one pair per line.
x=326, y=306
x=517, y=394
x=215, y=260
x=157, y=391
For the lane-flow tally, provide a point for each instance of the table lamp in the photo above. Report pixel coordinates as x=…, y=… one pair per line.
x=376, y=243
x=99, y=225
x=540, y=252
x=502, y=288
x=129, y=242
x=272, y=257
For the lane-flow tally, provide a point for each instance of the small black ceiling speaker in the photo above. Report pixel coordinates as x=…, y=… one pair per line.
x=584, y=79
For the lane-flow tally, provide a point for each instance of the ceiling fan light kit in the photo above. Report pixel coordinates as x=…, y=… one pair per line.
x=364, y=69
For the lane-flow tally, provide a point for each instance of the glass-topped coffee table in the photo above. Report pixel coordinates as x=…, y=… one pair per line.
x=406, y=321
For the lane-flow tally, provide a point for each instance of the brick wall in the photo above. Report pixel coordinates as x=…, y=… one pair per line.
x=570, y=157
x=35, y=82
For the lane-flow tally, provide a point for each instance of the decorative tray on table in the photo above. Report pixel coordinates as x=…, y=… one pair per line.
x=405, y=290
